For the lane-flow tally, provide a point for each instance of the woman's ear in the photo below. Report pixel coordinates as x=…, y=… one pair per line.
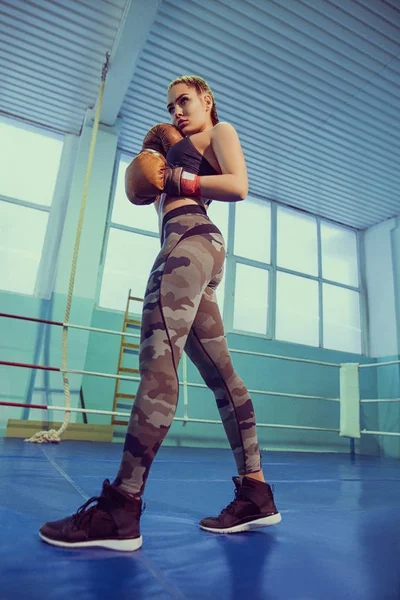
x=208, y=101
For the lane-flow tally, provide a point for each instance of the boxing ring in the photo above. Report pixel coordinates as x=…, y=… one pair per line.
x=349, y=400
x=338, y=538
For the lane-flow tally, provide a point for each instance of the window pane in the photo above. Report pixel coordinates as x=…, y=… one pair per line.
x=339, y=254
x=253, y=230
x=342, y=322
x=129, y=259
x=126, y=213
x=22, y=232
x=39, y=157
x=251, y=299
x=297, y=310
x=297, y=248
x=219, y=214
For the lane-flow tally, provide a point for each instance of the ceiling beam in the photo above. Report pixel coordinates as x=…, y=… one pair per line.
x=132, y=34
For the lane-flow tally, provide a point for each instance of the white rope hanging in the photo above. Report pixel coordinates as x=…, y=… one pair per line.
x=55, y=435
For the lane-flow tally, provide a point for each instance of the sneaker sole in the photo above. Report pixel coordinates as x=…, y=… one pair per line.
x=250, y=526
x=121, y=545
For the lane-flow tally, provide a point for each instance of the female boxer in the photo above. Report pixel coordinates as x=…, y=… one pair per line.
x=181, y=167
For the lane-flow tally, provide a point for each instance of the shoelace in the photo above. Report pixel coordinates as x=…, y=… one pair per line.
x=239, y=497
x=230, y=509
x=82, y=514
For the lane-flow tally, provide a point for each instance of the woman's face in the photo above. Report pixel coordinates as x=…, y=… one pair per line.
x=189, y=112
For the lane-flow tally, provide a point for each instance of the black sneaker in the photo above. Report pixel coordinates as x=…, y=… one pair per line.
x=252, y=508
x=113, y=522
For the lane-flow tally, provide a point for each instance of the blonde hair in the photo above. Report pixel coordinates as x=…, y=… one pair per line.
x=201, y=86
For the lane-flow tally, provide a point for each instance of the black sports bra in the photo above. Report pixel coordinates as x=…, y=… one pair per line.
x=185, y=154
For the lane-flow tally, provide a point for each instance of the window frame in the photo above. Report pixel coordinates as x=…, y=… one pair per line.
x=41, y=287
x=274, y=269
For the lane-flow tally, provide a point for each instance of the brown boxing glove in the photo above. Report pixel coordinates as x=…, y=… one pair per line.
x=144, y=178
x=161, y=138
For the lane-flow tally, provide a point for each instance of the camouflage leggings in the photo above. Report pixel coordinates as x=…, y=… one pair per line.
x=180, y=312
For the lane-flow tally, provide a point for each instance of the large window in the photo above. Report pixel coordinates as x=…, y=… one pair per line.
x=306, y=266
x=288, y=276
x=29, y=166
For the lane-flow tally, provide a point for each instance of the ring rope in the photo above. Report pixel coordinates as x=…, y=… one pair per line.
x=52, y=435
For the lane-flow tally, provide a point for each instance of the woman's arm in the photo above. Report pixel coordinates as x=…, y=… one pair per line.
x=232, y=185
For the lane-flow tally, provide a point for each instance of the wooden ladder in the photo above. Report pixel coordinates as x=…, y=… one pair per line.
x=126, y=348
